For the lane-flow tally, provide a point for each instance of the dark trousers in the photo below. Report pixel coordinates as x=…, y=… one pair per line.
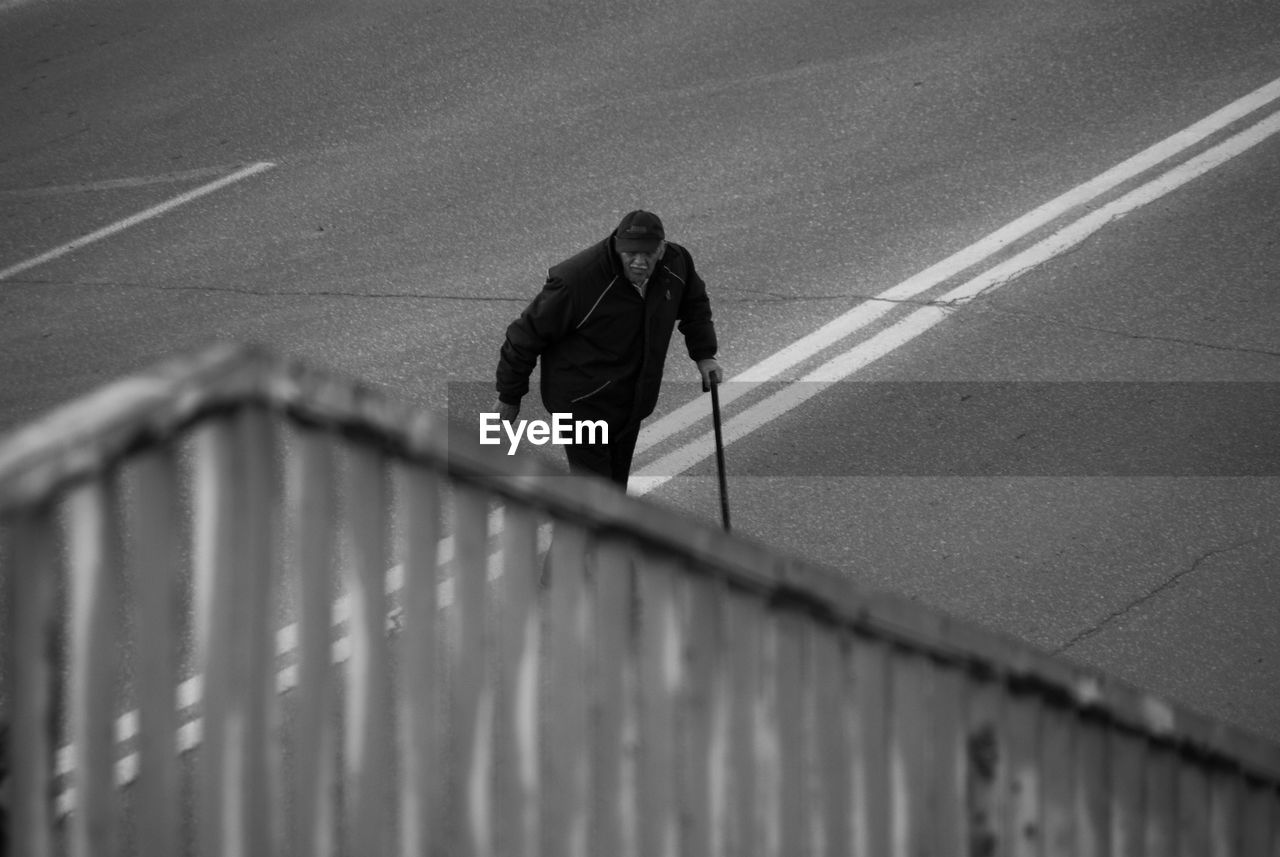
x=611, y=460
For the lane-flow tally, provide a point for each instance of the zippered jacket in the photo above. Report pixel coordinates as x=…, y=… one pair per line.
x=602, y=346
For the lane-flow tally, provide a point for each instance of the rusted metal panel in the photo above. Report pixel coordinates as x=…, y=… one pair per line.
x=1092, y=784
x=367, y=713
x=420, y=723
x=1058, y=747
x=660, y=675
x=1160, y=811
x=986, y=767
x=1127, y=791
x=34, y=571
x=700, y=603
x=566, y=752
x=260, y=788
x=831, y=791
x=465, y=831
x=612, y=690
x=913, y=796
x=744, y=625
x=156, y=520
x=1226, y=820
x=1023, y=724
x=96, y=590
x=311, y=497
x=1193, y=809
x=871, y=795
x=1260, y=820
x=950, y=688
x=215, y=557
x=789, y=727
x=767, y=739
x=515, y=724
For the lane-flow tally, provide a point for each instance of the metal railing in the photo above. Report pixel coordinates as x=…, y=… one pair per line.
x=526, y=664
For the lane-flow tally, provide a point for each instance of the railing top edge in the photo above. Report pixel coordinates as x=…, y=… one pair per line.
x=84, y=435
x=90, y=433
x=756, y=566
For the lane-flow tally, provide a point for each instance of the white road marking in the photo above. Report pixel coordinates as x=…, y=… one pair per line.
x=121, y=225
x=902, y=332
x=126, y=183
x=843, y=326
x=835, y=369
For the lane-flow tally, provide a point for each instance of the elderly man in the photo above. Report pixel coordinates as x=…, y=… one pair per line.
x=601, y=326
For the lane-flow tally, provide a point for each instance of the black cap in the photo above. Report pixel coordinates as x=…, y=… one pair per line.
x=639, y=232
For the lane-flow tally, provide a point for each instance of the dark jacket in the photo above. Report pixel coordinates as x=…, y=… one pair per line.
x=602, y=347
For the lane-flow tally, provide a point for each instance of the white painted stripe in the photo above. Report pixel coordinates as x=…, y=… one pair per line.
x=902, y=332
x=867, y=312
x=121, y=225
x=117, y=184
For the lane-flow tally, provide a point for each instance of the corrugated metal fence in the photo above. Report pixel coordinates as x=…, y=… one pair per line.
x=527, y=664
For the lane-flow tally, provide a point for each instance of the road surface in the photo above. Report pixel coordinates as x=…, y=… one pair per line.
x=380, y=192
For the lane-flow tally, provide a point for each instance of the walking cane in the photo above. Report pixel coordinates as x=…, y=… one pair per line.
x=724, y=488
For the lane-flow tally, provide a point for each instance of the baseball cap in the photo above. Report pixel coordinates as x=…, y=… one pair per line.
x=639, y=231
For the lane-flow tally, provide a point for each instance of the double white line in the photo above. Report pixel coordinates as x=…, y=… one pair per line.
x=869, y=350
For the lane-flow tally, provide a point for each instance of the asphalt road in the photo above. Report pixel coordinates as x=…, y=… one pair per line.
x=428, y=164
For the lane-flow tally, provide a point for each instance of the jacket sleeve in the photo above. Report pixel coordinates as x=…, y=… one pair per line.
x=695, y=317
x=545, y=321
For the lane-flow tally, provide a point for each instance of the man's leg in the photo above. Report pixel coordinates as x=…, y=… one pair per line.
x=611, y=461
x=589, y=459
x=622, y=448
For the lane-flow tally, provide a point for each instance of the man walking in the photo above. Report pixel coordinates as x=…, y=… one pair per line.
x=601, y=326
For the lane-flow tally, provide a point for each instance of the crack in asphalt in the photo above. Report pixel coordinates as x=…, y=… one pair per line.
x=1128, y=334
x=953, y=304
x=766, y=297
x=243, y=290
x=1173, y=581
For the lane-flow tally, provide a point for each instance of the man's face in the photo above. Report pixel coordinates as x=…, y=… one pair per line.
x=640, y=265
